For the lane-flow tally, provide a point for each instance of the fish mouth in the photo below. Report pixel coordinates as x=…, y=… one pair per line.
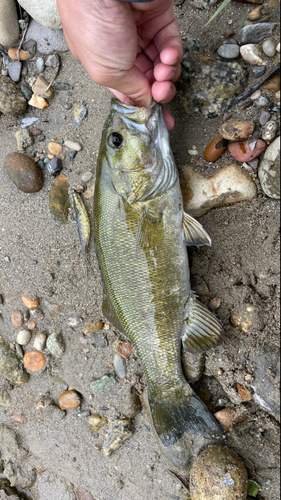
x=143, y=119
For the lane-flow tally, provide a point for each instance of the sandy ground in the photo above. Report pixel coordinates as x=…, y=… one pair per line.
x=45, y=262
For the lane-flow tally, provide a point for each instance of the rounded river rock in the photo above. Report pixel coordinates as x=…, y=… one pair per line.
x=12, y=102
x=24, y=172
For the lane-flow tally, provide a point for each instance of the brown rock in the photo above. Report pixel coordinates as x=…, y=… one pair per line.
x=34, y=361
x=225, y=418
x=17, y=318
x=273, y=84
x=36, y=131
x=55, y=148
x=12, y=102
x=256, y=13
x=242, y=151
x=83, y=494
x=235, y=129
x=69, y=399
x=24, y=172
x=215, y=148
x=38, y=102
x=228, y=33
x=40, y=88
x=24, y=54
x=94, y=327
x=125, y=350
x=30, y=304
x=59, y=199
x=31, y=325
x=244, y=393
x=17, y=416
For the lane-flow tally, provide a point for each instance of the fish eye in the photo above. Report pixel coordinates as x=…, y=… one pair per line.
x=116, y=140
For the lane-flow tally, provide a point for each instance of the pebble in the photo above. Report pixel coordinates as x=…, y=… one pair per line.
x=26, y=122
x=54, y=167
x=17, y=318
x=12, y=101
x=52, y=61
x=10, y=365
x=2, y=324
x=4, y=72
x=269, y=170
x=244, y=393
x=74, y=321
x=215, y=148
x=225, y=418
x=55, y=148
x=72, y=154
x=273, y=84
x=125, y=350
x=258, y=71
x=34, y=361
x=36, y=132
x=235, y=129
x=94, y=327
x=42, y=88
x=118, y=432
x=256, y=13
x=75, y=146
x=40, y=65
x=24, y=172
x=43, y=403
x=40, y=340
x=24, y=139
x=86, y=176
x=9, y=27
x=97, y=422
x=80, y=112
x=278, y=48
x=59, y=199
x=62, y=86
x=5, y=398
x=228, y=51
x=251, y=53
x=269, y=130
x=228, y=33
x=264, y=117
x=244, y=317
x=24, y=54
x=119, y=365
x=218, y=473
x=31, y=325
x=89, y=193
x=48, y=40
x=262, y=101
x=69, y=399
x=23, y=337
x=38, y=102
x=14, y=69
x=55, y=344
x=255, y=95
x=269, y=48
x=26, y=91
x=18, y=417
x=193, y=151
x=102, y=384
x=242, y=150
x=30, y=304
x=255, y=33
x=277, y=95
x=227, y=186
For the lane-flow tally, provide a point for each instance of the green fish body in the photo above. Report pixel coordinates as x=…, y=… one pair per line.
x=141, y=233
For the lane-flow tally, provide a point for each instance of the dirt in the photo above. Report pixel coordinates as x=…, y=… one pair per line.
x=45, y=261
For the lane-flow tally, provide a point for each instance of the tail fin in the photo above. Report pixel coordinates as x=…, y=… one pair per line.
x=188, y=414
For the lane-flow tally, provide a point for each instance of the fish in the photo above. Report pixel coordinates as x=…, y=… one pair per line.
x=141, y=233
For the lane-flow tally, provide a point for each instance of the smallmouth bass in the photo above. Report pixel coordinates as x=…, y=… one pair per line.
x=141, y=233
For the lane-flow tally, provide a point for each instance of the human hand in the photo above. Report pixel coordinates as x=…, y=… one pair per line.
x=134, y=49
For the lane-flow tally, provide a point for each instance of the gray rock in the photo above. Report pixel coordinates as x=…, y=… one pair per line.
x=264, y=117
x=102, y=384
x=258, y=70
x=86, y=176
x=229, y=51
x=15, y=70
x=119, y=431
x=30, y=120
x=5, y=398
x=255, y=33
x=48, y=40
x=262, y=101
x=11, y=448
x=12, y=102
x=80, y=112
x=9, y=28
x=24, y=139
x=40, y=65
x=269, y=170
x=45, y=13
x=11, y=366
x=119, y=364
x=203, y=4
x=26, y=91
x=269, y=48
x=269, y=130
x=267, y=379
x=54, y=167
x=52, y=61
x=212, y=87
x=19, y=476
x=55, y=344
x=2, y=324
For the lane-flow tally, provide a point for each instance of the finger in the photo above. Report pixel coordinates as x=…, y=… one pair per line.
x=163, y=91
x=121, y=97
x=170, y=122
x=144, y=64
x=164, y=72
x=169, y=44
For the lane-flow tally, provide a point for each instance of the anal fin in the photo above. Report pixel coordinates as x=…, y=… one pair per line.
x=202, y=329
x=193, y=233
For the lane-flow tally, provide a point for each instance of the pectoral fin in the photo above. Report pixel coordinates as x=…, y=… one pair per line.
x=110, y=314
x=202, y=329
x=193, y=233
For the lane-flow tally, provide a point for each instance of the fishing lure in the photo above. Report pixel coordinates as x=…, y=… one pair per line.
x=82, y=220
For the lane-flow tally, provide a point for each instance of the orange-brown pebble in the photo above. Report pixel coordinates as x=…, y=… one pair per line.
x=205, y=58
x=225, y=418
x=215, y=148
x=31, y=325
x=273, y=84
x=236, y=129
x=55, y=148
x=16, y=416
x=228, y=33
x=13, y=54
x=94, y=327
x=17, y=318
x=125, y=350
x=34, y=361
x=30, y=304
x=256, y=13
x=69, y=399
x=40, y=469
x=244, y=393
x=51, y=157
x=38, y=102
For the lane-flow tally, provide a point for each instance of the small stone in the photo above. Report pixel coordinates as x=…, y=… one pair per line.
x=192, y=365
x=261, y=102
x=10, y=365
x=244, y=317
x=17, y=318
x=14, y=69
x=269, y=48
x=102, y=384
x=50, y=156
x=26, y=122
x=265, y=385
x=74, y=321
x=269, y=130
x=125, y=350
x=38, y=102
x=251, y=53
x=278, y=48
x=12, y=102
x=242, y=151
x=36, y=132
x=215, y=148
x=228, y=33
x=34, y=361
x=54, y=167
x=253, y=164
x=255, y=95
x=40, y=340
x=60, y=86
x=52, y=61
x=97, y=422
x=255, y=33
x=5, y=398
x=30, y=304
x=75, y=146
x=23, y=337
x=59, y=199
x=86, y=177
x=40, y=65
x=72, y=154
x=31, y=325
x=225, y=418
x=19, y=351
x=94, y=327
x=256, y=13
x=277, y=95
x=26, y=91
x=18, y=417
x=245, y=105
x=119, y=365
x=193, y=151
x=258, y=71
x=13, y=54
x=55, y=148
x=69, y=399
x=235, y=129
x=24, y=139
x=273, y=84
x=83, y=494
x=55, y=344
x=119, y=431
x=80, y=112
x=215, y=303
x=2, y=324
x=203, y=4
x=244, y=393
x=66, y=105
x=43, y=403
x=42, y=88
x=228, y=51
x=89, y=193
x=5, y=72
x=269, y=170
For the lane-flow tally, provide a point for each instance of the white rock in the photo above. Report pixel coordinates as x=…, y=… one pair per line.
x=40, y=341
x=45, y=13
x=277, y=95
x=255, y=95
x=269, y=130
x=74, y=146
x=86, y=176
x=252, y=54
x=269, y=170
x=23, y=337
x=278, y=47
x=269, y=48
x=119, y=364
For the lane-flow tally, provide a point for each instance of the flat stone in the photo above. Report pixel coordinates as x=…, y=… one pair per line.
x=55, y=344
x=229, y=185
x=229, y=51
x=59, y=199
x=24, y=172
x=12, y=102
x=10, y=365
x=9, y=27
x=251, y=53
x=38, y=102
x=269, y=130
x=15, y=70
x=243, y=151
x=42, y=88
x=258, y=71
x=24, y=139
x=255, y=95
x=255, y=33
x=235, y=129
x=45, y=13
x=26, y=122
x=52, y=61
x=265, y=386
x=119, y=364
x=261, y=102
x=69, y=400
x=75, y=146
x=40, y=65
x=269, y=48
x=48, y=40
x=102, y=384
x=264, y=117
x=269, y=170
x=273, y=83
x=80, y=112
